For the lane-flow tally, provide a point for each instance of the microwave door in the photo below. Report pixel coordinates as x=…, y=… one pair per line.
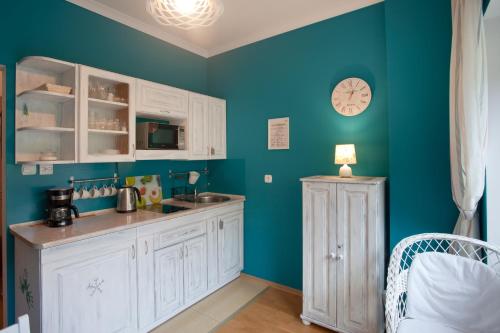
x=163, y=137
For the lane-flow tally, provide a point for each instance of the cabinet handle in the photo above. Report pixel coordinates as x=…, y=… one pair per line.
x=213, y=226
x=147, y=248
x=221, y=224
x=212, y=151
x=164, y=111
x=187, y=252
x=335, y=256
x=133, y=251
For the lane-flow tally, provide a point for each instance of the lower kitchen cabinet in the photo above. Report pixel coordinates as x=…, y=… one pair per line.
x=132, y=280
x=195, y=268
x=230, y=245
x=169, y=282
x=89, y=287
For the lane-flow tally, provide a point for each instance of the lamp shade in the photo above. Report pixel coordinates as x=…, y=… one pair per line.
x=345, y=154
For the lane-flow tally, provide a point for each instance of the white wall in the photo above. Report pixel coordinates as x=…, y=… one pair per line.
x=492, y=27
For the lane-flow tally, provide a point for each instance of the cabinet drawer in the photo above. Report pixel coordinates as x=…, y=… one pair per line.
x=166, y=238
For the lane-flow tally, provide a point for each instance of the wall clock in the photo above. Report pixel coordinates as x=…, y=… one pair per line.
x=351, y=96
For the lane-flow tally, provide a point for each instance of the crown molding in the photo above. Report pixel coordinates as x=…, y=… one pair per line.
x=157, y=32
x=347, y=7
x=136, y=24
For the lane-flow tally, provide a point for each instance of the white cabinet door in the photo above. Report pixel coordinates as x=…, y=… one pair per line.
x=145, y=281
x=169, y=295
x=195, y=268
x=107, y=116
x=319, y=252
x=230, y=247
x=212, y=253
x=97, y=294
x=160, y=101
x=198, y=127
x=217, y=127
x=356, y=216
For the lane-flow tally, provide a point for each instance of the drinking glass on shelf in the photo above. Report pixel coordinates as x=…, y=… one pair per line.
x=116, y=124
x=101, y=122
x=110, y=124
x=92, y=120
x=101, y=90
x=92, y=89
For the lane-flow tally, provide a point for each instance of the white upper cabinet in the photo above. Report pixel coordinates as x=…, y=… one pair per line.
x=107, y=116
x=46, y=110
x=198, y=126
x=217, y=128
x=207, y=127
x=160, y=101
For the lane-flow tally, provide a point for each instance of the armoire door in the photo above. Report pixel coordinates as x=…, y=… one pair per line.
x=319, y=252
x=169, y=289
x=195, y=268
x=356, y=227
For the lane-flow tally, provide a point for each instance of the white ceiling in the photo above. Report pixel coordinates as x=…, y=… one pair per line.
x=493, y=9
x=243, y=21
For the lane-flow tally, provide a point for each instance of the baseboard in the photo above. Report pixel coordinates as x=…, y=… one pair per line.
x=272, y=284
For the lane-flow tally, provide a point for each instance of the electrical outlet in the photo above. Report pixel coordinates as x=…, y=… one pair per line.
x=28, y=169
x=46, y=169
x=268, y=179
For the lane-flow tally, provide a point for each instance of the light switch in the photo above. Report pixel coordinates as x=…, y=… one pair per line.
x=46, y=169
x=28, y=169
x=268, y=179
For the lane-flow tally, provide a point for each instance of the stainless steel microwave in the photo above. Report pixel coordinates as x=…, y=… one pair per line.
x=152, y=135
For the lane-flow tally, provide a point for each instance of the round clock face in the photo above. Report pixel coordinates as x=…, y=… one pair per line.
x=351, y=96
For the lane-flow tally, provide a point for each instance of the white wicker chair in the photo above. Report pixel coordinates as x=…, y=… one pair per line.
x=402, y=258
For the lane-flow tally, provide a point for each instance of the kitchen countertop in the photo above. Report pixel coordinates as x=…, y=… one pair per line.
x=39, y=236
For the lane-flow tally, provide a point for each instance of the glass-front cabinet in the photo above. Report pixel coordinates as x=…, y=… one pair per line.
x=107, y=116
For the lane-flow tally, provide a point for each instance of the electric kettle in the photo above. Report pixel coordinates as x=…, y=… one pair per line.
x=126, y=201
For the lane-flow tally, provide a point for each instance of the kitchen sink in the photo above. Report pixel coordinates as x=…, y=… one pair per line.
x=211, y=198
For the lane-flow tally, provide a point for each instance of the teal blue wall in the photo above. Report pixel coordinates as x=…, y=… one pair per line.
x=292, y=75
x=58, y=29
x=418, y=61
x=401, y=47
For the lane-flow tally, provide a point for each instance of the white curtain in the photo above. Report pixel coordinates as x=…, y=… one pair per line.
x=468, y=112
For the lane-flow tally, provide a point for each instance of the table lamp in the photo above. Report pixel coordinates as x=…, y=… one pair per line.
x=345, y=154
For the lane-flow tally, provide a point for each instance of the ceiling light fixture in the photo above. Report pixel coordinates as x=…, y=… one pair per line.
x=185, y=14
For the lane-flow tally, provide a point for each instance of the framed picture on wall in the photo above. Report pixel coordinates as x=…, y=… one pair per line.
x=278, y=133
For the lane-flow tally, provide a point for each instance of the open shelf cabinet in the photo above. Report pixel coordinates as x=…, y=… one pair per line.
x=45, y=119
x=107, y=116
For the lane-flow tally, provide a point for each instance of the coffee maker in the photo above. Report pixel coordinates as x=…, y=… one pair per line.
x=60, y=206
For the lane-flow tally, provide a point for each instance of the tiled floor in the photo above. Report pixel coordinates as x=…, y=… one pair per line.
x=211, y=312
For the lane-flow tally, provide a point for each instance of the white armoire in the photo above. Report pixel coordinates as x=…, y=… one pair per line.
x=344, y=253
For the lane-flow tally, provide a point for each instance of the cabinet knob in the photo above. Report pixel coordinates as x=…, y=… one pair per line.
x=335, y=256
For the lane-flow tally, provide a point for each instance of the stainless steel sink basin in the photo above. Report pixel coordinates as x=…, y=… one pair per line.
x=211, y=198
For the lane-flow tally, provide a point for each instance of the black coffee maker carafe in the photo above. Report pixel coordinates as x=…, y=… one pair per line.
x=60, y=207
